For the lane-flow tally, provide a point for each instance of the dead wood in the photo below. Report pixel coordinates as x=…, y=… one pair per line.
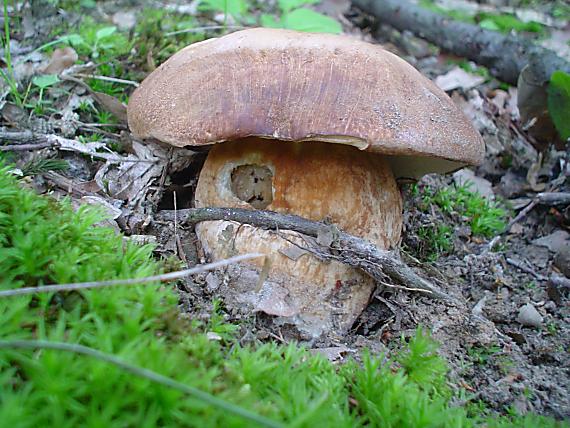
x=348, y=249
x=504, y=55
x=554, y=198
x=32, y=141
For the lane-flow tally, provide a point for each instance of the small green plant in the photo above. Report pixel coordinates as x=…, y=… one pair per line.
x=39, y=166
x=471, y=67
x=295, y=17
x=531, y=285
x=159, y=34
x=559, y=102
x=292, y=15
x=42, y=83
x=435, y=241
x=503, y=22
x=9, y=76
x=458, y=15
x=552, y=329
x=97, y=41
x=482, y=354
x=235, y=8
x=420, y=361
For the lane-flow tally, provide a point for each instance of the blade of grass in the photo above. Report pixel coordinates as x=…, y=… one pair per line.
x=10, y=78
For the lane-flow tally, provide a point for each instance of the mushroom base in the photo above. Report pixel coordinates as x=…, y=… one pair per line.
x=352, y=189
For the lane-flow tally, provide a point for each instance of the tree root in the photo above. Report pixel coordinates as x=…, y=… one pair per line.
x=345, y=248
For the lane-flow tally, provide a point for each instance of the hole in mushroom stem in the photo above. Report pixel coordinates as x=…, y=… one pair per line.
x=253, y=184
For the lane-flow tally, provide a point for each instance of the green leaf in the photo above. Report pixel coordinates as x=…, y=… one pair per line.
x=288, y=5
x=308, y=20
x=74, y=39
x=489, y=24
x=559, y=102
x=45, y=80
x=269, y=21
x=235, y=8
x=105, y=32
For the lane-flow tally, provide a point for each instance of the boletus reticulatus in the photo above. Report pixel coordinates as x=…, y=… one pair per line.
x=309, y=124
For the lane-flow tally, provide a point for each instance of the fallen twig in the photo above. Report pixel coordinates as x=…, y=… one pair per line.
x=108, y=79
x=206, y=28
x=51, y=140
x=544, y=198
x=347, y=249
x=560, y=281
x=131, y=281
x=141, y=372
x=518, y=264
x=25, y=147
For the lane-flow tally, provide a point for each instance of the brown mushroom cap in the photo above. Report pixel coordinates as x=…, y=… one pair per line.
x=287, y=85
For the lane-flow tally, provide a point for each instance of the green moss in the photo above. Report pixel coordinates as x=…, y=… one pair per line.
x=152, y=35
x=485, y=217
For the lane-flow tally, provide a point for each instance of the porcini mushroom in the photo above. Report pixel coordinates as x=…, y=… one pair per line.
x=310, y=124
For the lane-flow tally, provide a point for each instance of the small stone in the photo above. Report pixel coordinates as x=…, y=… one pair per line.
x=212, y=282
x=466, y=177
x=550, y=306
x=555, y=242
x=562, y=260
x=529, y=316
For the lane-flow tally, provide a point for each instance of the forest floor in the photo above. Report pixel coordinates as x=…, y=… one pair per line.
x=506, y=252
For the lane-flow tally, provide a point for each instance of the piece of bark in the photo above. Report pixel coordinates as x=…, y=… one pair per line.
x=346, y=248
x=554, y=198
x=504, y=55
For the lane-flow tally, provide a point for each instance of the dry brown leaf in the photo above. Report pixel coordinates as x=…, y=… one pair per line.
x=61, y=59
x=458, y=78
x=112, y=105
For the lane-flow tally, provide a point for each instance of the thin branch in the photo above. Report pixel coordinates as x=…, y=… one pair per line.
x=144, y=373
x=66, y=144
x=25, y=147
x=544, y=198
x=108, y=79
x=347, y=249
x=518, y=264
x=131, y=281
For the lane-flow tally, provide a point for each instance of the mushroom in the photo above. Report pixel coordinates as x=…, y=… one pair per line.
x=315, y=125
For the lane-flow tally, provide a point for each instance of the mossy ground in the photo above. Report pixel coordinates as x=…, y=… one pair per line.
x=45, y=242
